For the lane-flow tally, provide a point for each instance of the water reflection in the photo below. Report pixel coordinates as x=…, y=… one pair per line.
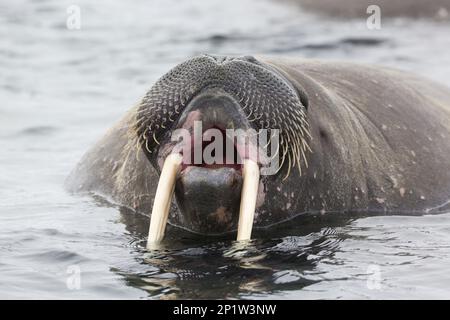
x=195, y=267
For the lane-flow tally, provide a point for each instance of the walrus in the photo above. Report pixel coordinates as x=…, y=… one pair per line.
x=356, y=139
x=435, y=9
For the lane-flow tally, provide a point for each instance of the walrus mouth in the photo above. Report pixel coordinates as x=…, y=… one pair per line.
x=209, y=194
x=166, y=186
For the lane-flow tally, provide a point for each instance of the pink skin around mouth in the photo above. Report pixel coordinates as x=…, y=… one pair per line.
x=240, y=152
x=246, y=150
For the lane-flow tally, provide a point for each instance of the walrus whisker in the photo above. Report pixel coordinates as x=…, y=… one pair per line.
x=296, y=159
x=144, y=140
x=138, y=149
x=283, y=157
x=146, y=145
x=142, y=110
x=294, y=155
x=246, y=104
x=154, y=138
x=249, y=115
x=306, y=144
x=140, y=120
x=288, y=167
x=144, y=134
x=299, y=166
x=304, y=158
x=259, y=117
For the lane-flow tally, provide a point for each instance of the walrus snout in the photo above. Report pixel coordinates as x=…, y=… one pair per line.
x=205, y=97
x=208, y=191
x=211, y=143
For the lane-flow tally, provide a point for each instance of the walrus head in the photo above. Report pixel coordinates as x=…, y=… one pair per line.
x=204, y=98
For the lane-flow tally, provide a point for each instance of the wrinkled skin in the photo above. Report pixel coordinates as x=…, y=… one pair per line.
x=378, y=141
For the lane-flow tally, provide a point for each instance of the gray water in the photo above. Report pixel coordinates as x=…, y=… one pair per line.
x=60, y=90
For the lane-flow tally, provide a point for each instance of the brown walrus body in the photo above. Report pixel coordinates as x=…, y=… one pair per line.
x=379, y=142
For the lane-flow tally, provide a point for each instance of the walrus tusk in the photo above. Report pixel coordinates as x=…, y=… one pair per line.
x=248, y=199
x=163, y=198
